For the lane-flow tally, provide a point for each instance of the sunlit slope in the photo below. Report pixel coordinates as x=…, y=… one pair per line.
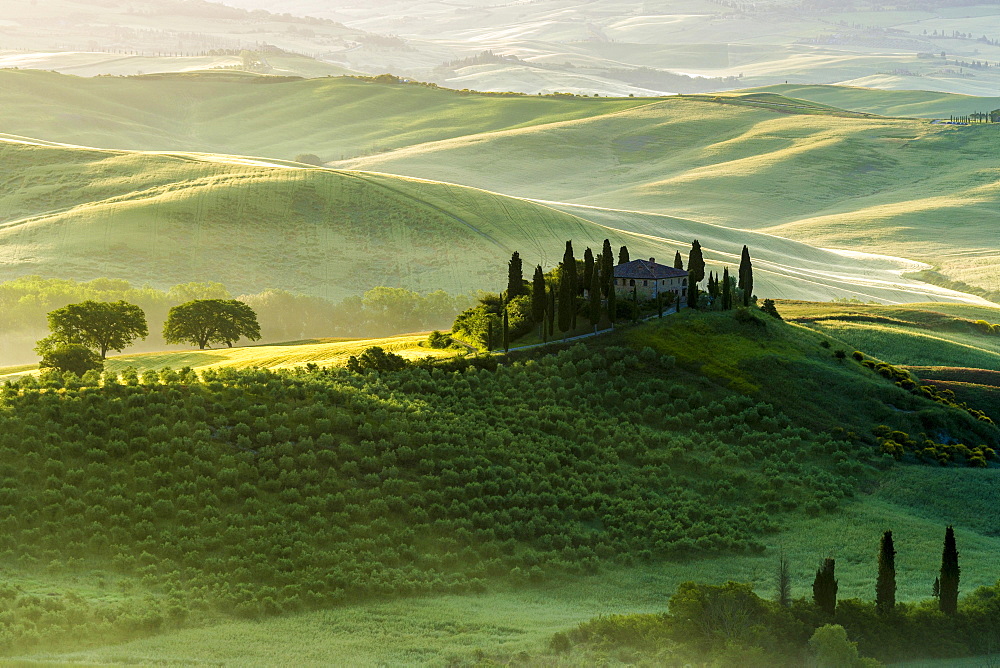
x=253, y=225
x=908, y=103
x=166, y=219
x=890, y=186
x=232, y=112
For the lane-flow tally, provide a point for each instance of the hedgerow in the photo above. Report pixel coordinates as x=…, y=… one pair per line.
x=257, y=492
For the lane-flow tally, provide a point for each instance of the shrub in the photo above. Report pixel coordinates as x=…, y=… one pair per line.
x=71, y=358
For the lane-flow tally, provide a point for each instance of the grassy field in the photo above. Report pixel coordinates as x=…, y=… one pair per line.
x=322, y=352
x=169, y=218
x=912, y=335
x=782, y=161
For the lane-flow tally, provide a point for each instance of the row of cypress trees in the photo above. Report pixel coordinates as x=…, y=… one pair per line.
x=825, y=584
x=556, y=306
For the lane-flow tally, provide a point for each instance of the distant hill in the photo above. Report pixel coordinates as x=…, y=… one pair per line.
x=255, y=224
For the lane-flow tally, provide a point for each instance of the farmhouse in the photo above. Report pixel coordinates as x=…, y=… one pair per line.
x=650, y=279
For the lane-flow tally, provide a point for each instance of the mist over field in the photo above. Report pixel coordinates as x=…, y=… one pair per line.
x=479, y=333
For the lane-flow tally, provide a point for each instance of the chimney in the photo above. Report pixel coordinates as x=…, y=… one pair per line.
x=652, y=259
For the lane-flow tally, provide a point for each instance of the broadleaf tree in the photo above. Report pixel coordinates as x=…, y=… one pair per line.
x=101, y=326
x=203, y=322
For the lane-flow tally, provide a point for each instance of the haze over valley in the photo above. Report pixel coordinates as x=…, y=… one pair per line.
x=464, y=333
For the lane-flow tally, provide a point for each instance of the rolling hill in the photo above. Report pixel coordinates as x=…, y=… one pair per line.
x=169, y=218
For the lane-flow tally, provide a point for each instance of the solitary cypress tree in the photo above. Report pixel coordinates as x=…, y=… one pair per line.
x=696, y=272
x=489, y=333
x=595, y=298
x=538, y=295
x=678, y=261
x=783, y=582
x=746, y=277
x=727, y=291
x=948, y=600
x=825, y=587
x=607, y=267
x=635, y=304
x=623, y=255
x=588, y=269
x=885, y=584
x=515, y=277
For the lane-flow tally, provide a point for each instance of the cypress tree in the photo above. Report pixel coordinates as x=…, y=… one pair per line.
x=506, y=330
x=948, y=600
x=515, y=277
x=538, y=295
x=566, y=297
x=713, y=286
x=696, y=272
x=727, y=291
x=885, y=584
x=936, y=589
x=588, y=269
x=635, y=304
x=825, y=587
x=607, y=267
x=611, y=305
x=595, y=298
x=746, y=277
x=568, y=274
x=678, y=261
x=489, y=333
x=623, y=255
x=783, y=595
x=552, y=311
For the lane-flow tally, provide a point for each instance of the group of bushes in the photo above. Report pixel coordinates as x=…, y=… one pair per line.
x=903, y=379
x=731, y=625
x=255, y=492
x=899, y=444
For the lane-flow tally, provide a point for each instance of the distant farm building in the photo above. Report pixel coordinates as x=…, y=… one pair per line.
x=650, y=279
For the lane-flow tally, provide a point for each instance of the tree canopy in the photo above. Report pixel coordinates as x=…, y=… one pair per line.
x=206, y=321
x=100, y=326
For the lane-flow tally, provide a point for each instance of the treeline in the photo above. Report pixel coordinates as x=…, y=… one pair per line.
x=560, y=301
x=729, y=624
x=284, y=316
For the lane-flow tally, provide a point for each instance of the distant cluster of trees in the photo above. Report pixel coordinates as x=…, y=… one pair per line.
x=284, y=316
x=557, y=300
x=82, y=334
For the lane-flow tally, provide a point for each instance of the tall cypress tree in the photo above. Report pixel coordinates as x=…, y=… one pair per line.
x=588, y=269
x=678, y=261
x=515, y=277
x=538, y=296
x=623, y=255
x=506, y=330
x=696, y=272
x=885, y=584
x=607, y=267
x=746, y=277
x=552, y=311
x=611, y=305
x=567, y=299
x=567, y=294
x=595, y=298
x=825, y=587
x=727, y=291
x=948, y=600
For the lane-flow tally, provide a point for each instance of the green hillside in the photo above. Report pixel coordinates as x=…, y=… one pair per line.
x=889, y=186
x=899, y=103
x=237, y=113
x=781, y=160
x=166, y=219
x=350, y=494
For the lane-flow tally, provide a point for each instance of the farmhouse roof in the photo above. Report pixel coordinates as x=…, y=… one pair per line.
x=647, y=269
